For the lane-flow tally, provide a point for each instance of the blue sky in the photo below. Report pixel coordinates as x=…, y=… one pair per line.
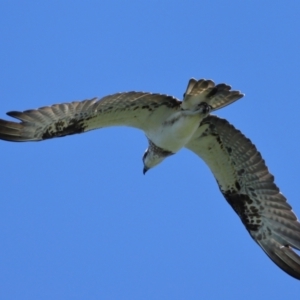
x=78, y=220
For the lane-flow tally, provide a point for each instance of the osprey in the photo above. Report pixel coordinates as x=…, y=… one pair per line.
x=170, y=125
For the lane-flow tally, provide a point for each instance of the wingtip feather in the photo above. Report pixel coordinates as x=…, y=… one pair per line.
x=283, y=256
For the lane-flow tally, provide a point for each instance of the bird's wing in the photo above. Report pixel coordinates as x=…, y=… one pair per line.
x=135, y=109
x=217, y=96
x=249, y=188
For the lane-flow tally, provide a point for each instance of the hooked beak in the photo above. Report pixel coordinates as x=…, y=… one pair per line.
x=145, y=170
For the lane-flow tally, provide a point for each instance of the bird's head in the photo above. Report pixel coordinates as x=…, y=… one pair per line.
x=151, y=159
x=153, y=156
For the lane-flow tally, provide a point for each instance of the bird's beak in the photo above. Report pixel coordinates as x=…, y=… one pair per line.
x=145, y=170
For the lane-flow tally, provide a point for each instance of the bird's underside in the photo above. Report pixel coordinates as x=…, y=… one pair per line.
x=170, y=124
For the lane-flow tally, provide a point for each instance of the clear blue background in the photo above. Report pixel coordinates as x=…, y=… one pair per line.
x=78, y=220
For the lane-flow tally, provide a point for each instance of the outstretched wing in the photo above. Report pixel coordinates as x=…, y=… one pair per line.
x=145, y=111
x=249, y=188
x=217, y=96
x=135, y=109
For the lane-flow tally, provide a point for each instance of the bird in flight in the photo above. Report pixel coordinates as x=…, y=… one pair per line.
x=169, y=125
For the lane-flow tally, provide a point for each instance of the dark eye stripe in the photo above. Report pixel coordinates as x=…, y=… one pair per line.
x=144, y=156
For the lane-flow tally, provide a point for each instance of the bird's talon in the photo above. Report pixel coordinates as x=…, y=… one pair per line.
x=206, y=108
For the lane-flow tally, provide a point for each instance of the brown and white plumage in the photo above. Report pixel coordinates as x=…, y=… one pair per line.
x=170, y=124
x=249, y=188
x=145, y=111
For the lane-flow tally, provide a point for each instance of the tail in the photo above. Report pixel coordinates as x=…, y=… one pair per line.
x=217, y=96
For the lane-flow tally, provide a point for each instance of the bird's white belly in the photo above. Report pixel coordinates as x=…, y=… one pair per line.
x=175, y=132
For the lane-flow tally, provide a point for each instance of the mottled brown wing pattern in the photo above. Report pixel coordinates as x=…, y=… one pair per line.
x=249, y=188
x=133, y=109
x=217, y=96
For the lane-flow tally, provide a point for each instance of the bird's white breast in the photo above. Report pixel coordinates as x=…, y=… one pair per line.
x=175, y=132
